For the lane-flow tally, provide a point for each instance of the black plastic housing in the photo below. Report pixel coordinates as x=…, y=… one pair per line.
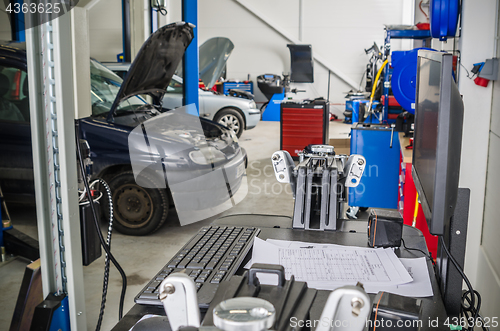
x=290, y=298
x=91, y=246
x=385, y=228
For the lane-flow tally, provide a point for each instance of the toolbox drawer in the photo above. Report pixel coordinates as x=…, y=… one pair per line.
x=302, y=125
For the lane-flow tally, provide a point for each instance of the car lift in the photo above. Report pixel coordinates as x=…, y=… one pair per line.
x=53, y=95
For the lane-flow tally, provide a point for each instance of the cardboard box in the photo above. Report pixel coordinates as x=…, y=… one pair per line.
x=341, y=146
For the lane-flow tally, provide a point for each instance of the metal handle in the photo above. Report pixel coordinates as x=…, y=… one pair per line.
x=266, y=269
x=180, y=301
x=392, y=134
x=348, y=304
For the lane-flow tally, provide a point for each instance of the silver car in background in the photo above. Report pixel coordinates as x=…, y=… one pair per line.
x=237, y=114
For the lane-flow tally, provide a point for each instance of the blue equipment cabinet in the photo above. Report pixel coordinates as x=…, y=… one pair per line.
x=248, y=87
x=354, y=106
x=273, y=108
x=379, y=184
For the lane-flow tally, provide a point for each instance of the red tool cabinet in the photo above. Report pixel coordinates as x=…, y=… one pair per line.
x=303, y=124
x=408, y=194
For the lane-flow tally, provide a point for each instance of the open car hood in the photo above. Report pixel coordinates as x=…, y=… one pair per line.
x=155, y=63
x=213, y=55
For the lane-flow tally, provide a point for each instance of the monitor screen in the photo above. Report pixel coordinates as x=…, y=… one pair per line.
x=425, y=138
x=437, y=141
x=301, y=63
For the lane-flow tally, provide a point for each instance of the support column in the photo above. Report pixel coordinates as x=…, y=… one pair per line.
x=301, y=20
x=191, y=59
x=17, y=24
x=52, y=109
x=140, y=25
x=127, y=49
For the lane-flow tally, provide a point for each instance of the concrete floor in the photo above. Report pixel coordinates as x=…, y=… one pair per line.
x=142, y=257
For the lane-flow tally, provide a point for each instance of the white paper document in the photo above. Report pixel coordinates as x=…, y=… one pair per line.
x=416, y=268
x=329, y=266
x=334, y=264
x=420, y=287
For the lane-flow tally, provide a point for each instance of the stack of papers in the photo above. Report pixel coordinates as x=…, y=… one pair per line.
x=329, y=266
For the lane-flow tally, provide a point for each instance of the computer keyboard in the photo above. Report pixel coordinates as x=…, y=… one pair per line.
x=212, y=255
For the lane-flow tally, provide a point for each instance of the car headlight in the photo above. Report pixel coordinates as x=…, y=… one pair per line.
x=253, y=104
x=207, y=155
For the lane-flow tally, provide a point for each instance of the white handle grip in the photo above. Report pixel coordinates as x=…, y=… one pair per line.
x=180, y=301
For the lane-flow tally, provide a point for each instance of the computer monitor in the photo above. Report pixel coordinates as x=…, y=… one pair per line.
x=437, y=141
x=301, y=63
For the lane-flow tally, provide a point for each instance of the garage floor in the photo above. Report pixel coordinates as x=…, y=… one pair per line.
x=142, y=257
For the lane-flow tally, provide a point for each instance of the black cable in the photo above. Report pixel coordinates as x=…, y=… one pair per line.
x=483, y=326
x=472, y=303
x=106, y=261
x=467, y=71
x=427, y=255
x=474, y=310
x=264, y=105
x=161, y=9
x=98, y=229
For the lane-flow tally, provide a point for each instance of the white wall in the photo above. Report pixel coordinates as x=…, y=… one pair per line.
x=5, y=33
x=488, y=278
x=105, y=30
x=338, y=31
x=477, y=44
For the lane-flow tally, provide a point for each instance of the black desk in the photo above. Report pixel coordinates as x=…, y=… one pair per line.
x=352, y=233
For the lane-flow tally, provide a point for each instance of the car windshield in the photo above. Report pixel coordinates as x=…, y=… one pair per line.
x=104, y=88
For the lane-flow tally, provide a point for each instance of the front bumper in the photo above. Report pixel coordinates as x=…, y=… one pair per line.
x=252, y=118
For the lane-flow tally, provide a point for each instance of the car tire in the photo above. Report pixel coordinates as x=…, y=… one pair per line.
x=232, y=119
x=137, y=211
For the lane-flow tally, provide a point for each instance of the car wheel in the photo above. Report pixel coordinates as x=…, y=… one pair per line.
x=232, y=119
x=137, y=211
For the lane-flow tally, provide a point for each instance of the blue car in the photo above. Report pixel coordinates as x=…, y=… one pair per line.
x=119, y=107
